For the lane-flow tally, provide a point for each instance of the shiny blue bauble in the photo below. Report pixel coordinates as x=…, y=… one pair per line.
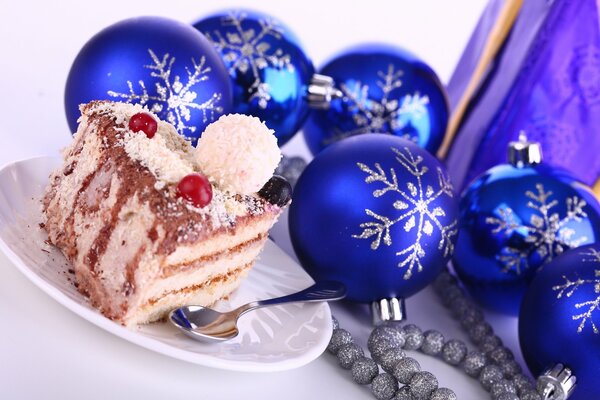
x=268, y=67
x=161, y=63
x=385, y=90
x=512, y=221
x=377, y=213
x=559, y=320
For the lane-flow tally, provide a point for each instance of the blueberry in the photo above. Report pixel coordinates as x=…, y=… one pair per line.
x=276, y=191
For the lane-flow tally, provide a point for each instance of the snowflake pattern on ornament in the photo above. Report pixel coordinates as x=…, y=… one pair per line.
x=173, y=95
x=388, y=114
x=415, y=204
x=247, y=50
x=546, y=234
x=569, y=287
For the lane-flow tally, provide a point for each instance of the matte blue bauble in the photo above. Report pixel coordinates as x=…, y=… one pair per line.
x=559, y=320
x=377, y=213
x=512, y=221
x=268, y=67
x=385, y=89
x=163, y=64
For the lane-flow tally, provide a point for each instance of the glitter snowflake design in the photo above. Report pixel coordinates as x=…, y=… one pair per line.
x=569, y=287
x=172, y=94
x=388, y=114
x=415, y=202
x=546, y=234
x=247, y=50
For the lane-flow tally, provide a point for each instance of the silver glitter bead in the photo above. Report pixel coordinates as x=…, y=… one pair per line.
x=433, y=341
x=471, y=317
x=454, y=351
x=384, y=386
x=530, y=395
x=489, y=343
x=474, y=362
x=479, y=331
x=502, y=386
x=450, y=293
x=413, y=337
x=507, y=396
x=335, y=323
x=422, y=384
x=403, y=394
x=510, y=368
x=443, y=394
x=291, y=168
x=405, y=369
x=459, y=306
x=443, y=280
x=500, y=354
x=339, y=338
x=383, y=338
x=380, y=348
x=349, y=353
x=522, y=383
x=390, y=358
x=364, y=370
x=489, y=375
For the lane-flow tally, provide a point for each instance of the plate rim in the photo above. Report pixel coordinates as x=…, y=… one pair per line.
x=152, y=344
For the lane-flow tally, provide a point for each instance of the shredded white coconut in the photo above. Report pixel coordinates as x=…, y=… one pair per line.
x=239, y=152
x=238, y=147
x=167, y=155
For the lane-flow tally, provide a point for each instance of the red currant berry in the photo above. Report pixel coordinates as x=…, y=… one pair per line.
x=196, y=189
x=143, y=122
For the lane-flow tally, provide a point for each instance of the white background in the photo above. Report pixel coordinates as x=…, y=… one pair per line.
x=48, y=352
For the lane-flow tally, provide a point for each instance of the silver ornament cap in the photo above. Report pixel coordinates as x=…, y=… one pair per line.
x=556, y=383
x=524, y=153
x=321, y=91
x=385, y=310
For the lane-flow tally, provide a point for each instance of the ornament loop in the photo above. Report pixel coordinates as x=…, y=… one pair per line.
x=321, y=92
x=556, y=383
x=384, y=310
x=523, y=153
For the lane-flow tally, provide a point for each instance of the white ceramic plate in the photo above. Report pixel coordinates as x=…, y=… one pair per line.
x=275, y=338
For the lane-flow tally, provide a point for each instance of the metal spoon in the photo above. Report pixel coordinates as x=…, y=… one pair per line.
x=205, y=324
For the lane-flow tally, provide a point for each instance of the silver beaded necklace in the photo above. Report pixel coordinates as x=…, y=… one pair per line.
x=402, y=378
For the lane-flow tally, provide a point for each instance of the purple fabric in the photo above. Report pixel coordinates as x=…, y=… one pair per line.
x=463, y=158
x=468, y=60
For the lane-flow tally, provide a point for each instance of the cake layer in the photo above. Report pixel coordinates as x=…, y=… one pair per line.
x=136, y=245
x=206, y=293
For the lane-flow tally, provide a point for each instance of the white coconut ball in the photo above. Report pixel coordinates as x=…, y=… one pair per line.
x=239, y=152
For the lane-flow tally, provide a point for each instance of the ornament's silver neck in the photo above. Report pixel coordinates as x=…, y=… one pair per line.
x=386, y=310
x=556, y=383
x=523, y=153
x=321, y=91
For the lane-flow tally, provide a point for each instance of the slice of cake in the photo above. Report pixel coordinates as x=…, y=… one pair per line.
x=150, y=223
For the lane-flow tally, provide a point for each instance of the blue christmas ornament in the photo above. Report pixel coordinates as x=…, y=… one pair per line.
x=383, y=89
x=559, y=320
x=268, y=67
x=163, y=64
x=377, y=213
x=515, y=218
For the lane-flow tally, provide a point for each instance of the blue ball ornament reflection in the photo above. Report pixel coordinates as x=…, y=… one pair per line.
x=559, y=321
x=512, y=221
x=161, y=63
x=384, y=90
x=268, y=67
x=377, y=213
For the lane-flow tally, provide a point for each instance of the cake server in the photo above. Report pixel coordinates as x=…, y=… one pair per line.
x=205, y=324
